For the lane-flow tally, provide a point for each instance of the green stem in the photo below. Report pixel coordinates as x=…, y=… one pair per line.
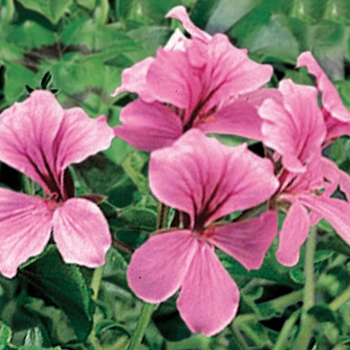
x=250, y=213
x=96, y=281
x=162, y=217
x=307, y=321
x=140, y=330
x=340, y=300
x=238, y=338
x=28, y=185
x=147, y=309
x=282, y=339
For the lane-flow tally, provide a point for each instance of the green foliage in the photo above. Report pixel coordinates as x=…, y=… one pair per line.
x=86, y=45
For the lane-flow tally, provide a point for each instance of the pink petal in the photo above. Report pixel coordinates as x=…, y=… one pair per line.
x=209, y=297
x=173, y=80
x=330, y=97
x=80, y=137
x=148, y=126
x=335, y=211
x=296, y=130
x=81, y=232
x=239, y=118
x=27, y=133
x=25, y=226
x=180, y=13
x=134, y=80
x=294, y=231
x=243, y=75
x=158, y=267
x=241, y=239
x=335, y=127
x=207, y=180
x=177, y=41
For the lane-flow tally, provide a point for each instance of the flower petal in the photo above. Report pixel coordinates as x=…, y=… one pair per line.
x=81, y=232
x=80, y=137
x=148, y=126
x=335, y=211
x=239, y=118
x=209, y=297
x=295, y=130
x=180, y=13
x=242, y=238
x=27, y=133
x=25, y=226
x=158, y=267
x=330, y=97
x=207, y=180
x=294, y=231
x=134, y=80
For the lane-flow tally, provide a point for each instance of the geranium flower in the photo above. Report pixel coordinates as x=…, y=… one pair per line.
x=40, y=139
x=206, y=180
x=296, y=130
x=203, y=82
x=336, y=115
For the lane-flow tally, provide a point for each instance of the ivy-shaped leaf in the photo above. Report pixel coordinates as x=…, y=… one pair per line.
x=62, y=286
x=51, y=9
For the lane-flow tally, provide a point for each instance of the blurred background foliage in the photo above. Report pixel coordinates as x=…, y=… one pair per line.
x=86, y=44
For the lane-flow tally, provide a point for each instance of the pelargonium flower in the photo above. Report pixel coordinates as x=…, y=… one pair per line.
x=203, y=82
x=336, y=115
x=206, y=180
x=296, y=130
x=40, y=139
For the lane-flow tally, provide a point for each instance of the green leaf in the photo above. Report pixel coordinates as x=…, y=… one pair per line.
x=89, y=4
x=168, y=321
x=202, y=10
x=227, y=13
x=34, y=337
x=135, y=218
x=272, y=41
x=133, y=165
x=322, y=313
x=151, y=37
x=64, y=287
x=5, y=336
x=155, y=9
x=96, y=37
x=51, y=9
x=112, y=335
x=269, y=270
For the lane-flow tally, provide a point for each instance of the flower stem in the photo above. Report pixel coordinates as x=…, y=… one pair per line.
x=140, y=330
x=282, y=339
x=250, y=213
x=238, y=338
x=147, y=309
x=307, y=321
x=96, y=281
x=340, y=300
x=162, y=217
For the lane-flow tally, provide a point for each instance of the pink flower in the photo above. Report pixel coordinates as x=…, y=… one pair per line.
x=203, y=82
x=296, y=130
x=40, y=139
x=295, y=127
x=206, y=180
x=336, y=115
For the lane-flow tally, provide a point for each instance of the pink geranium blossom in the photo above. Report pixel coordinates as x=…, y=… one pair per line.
x=296, y=130
x=203, y=82
x=336, y=115
x=40, y=139
x=207, y=180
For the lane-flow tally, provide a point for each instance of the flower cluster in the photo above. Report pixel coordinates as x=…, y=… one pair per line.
x=200, y=85
x=196, y=85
